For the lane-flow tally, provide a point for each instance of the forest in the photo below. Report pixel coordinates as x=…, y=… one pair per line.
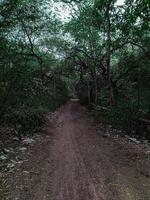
x=96, y=50
x=74, y=99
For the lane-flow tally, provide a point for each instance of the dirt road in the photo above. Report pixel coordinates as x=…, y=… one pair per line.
x=74, y=161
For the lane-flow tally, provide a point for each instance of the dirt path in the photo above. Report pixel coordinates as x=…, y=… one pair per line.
x=74, y=162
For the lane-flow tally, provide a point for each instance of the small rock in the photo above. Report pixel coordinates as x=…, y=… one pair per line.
x=27, y=141
x=15, y=138
x=23, y=149
x=11, y=165
x=132, y=139
x=26, y=172
x=20, y=162
x=6, y=150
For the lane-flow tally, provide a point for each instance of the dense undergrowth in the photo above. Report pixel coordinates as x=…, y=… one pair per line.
x=30, y=84
x=25, y=105
x=132, y=110
x=111, y=57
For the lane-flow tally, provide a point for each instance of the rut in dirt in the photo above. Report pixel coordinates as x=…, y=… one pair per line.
x=77, y=163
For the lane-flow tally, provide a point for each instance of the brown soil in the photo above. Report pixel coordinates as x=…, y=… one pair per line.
x=75, y=161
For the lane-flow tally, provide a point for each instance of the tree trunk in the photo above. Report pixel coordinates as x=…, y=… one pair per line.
x=89, y=92
x=95, y=86
x=111, y=92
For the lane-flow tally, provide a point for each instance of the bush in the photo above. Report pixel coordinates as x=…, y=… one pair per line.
x=25, y=120
x=123, y=116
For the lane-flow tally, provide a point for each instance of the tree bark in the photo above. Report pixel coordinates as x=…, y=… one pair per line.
x=89, y=92
x=95, y=86
x=111, y=92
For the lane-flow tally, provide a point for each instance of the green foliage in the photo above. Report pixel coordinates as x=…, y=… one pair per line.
x=101, y=54
x=30, y=85
x=25, y=120
x=111, y=56
x=132, y=79
x=124, y=116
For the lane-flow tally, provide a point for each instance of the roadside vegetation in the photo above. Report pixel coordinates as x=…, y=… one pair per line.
x=111, y=54
x=30, y=83
x=101, y=54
